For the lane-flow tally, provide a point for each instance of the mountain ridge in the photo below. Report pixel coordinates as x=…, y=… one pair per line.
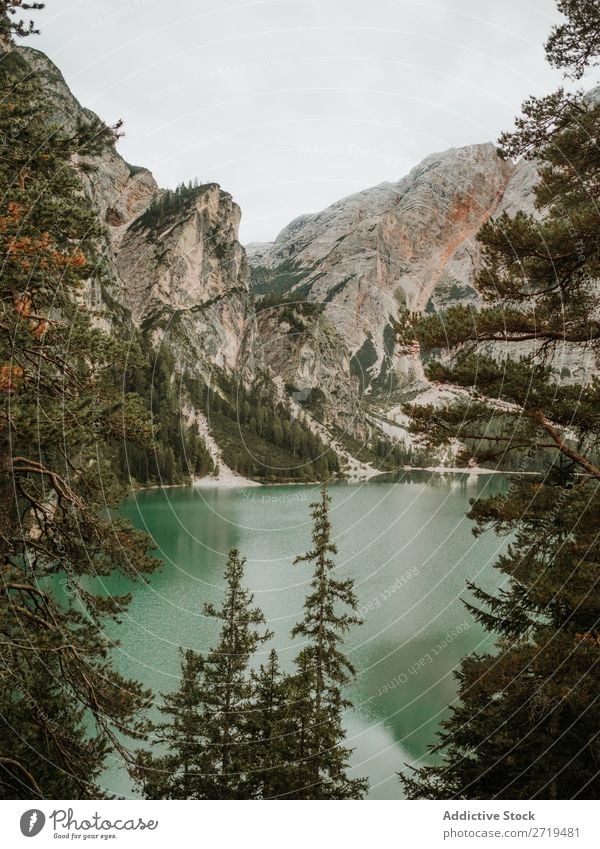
x=309, y=317
x=409, y=244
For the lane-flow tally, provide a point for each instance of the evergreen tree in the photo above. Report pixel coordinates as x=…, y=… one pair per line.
x=526, y=725
x=209, y=740
x=10, y=25
x=63, y=707
x=177, y=774
x=527, y=721
x=322, y=671
x=271, y=729
x=271, y=445
x=575, y=44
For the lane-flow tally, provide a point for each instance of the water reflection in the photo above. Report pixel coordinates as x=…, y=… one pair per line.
x=406, y=543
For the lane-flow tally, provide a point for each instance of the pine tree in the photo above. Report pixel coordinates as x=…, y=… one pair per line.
x=271, y=731
x=322, y=671
x=178, y=774
x=63, y=707
x=527, y=721
x=526, y=725
x=575, y=44
x=209, y=740
x=10, y=25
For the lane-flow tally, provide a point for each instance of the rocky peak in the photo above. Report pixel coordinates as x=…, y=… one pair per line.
x=404, y=244
x=178, y=268
x=337, y=279
x=185, y=275
x=182, y=253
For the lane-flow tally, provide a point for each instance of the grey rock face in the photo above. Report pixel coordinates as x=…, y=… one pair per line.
x=407, y=244
x=119, y=191
x=186, y=281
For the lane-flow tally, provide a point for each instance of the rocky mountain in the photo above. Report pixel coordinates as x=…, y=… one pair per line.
x=178, y=270
x=176, y=279
x=283, y=350
x=118, y=191
x=406, y=244
x=185, y=279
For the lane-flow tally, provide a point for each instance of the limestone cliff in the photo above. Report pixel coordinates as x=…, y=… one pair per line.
x=119, y=191
x=406, y=244
x=321, y=342
x=185, y=280
x=174, y=272
x=185, y=277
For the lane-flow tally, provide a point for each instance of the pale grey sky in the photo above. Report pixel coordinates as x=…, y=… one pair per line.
x=292, y=104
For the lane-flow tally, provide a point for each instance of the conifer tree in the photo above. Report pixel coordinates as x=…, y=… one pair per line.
x=10, y=24
x=271, y=729
x=63, y=707
x=322, y=671
x=527, y=721
x=209, y=740
x=178, y=773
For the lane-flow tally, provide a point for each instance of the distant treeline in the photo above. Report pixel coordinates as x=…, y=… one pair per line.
x=259, y=437
x=178, y=452
x=169, y=203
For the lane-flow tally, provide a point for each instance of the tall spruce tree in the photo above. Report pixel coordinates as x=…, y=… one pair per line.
x=178, y=773
x=322, y=671
x=209, y=738
x=526, y=724
x=63, y=707
x=271, y=725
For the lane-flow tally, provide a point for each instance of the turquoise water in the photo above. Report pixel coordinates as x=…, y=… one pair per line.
x=410, y=550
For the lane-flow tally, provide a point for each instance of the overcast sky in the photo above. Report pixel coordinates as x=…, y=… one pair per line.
x=292, y=104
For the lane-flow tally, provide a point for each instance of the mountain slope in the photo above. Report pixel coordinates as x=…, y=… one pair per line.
x=175, y=278
x=313, y=361
x=406, y=244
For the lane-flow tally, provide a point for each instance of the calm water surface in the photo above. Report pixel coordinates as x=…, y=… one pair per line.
x=410, y=550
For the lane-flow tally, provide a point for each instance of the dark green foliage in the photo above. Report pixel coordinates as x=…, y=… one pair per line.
x=384, y=453
x=527, y=722
x=364, y=359
x=526, y=725
x=336, y=289
x=170, y=205
x=575, y=44
x=388, y=455
x=280, y=280
x=63, y=708
x=538, y=271
x=291, y=309
x=210, y=734
x=272, y=725
x=233, y=732
x=177, y=774
x=322, y=670
x=177, y=452
x=10, y=25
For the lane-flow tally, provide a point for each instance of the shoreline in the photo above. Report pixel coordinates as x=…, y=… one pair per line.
x=239, y=482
